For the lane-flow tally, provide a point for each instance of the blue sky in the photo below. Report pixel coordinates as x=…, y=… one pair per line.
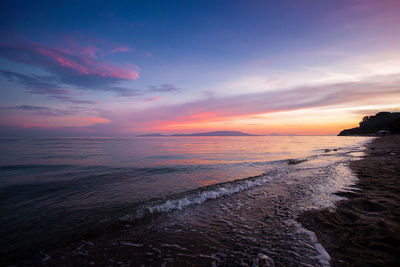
x=97, y=68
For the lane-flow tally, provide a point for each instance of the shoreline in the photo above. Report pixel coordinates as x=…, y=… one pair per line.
x=267, y=211
x=364, y=229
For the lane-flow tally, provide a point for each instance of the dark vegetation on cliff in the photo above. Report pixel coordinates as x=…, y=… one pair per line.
x=371, y=125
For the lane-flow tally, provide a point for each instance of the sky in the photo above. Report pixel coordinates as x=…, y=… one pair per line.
x=122, y=68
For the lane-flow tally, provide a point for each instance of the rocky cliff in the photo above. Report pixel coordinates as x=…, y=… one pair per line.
x=371, y=125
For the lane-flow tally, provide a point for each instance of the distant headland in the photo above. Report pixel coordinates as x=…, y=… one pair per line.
x=215, y=133
x=382, y=122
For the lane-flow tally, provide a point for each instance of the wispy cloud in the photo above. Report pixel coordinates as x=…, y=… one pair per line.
x=218, y=110
x=222, y=108
x=72, y=66
x=148, y=54
x=260, y=62
x=69, y=99
x=121, y=49
x=123, y=91
x=166, y=87
x=154, y=99
x=35, y=84
x=43, y=85
x=44, y=111
x=25, y=107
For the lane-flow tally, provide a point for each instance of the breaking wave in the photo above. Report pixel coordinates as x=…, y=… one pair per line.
x=198, y=196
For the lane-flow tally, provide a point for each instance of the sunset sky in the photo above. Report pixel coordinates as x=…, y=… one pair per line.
x=121, y=68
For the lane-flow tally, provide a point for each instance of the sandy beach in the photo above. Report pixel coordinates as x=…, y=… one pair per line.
x=364, y=230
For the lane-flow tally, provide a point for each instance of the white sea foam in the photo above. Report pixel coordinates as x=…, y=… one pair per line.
x=213, y=192
x=323, y=256
x=220, y=191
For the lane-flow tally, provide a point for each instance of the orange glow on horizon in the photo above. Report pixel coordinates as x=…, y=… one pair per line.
x=252, y=124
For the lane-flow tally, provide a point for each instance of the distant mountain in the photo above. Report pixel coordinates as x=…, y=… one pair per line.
x=371, y=125
x=215, y=133
x=154, y=134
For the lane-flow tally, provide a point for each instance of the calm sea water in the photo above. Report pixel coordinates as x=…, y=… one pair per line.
x=55, y=191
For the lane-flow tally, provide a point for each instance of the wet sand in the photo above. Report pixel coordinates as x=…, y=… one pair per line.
x=364, y=230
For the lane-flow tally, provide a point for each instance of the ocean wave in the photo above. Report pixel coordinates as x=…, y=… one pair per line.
x=300, y=160
x=199, y=196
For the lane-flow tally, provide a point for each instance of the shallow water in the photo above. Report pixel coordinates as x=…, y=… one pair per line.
x=234, y=198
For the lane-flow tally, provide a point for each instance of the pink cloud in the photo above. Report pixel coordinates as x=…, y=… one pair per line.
x=213, y=112
x=154, y=99
x=86, y=65
x=218, y=109
x=70, y=62
x=260, y=62
x=90, y=51
x=71, y=46
x=121, y=49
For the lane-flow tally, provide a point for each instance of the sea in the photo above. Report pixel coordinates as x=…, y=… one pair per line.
x=169, y=201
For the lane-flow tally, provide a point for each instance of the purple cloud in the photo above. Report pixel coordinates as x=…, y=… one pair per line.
x=64, y=98
x=221, y=108
x=26, y=107
x=73, y=66
x=43, y=111
x=43, y=85
x=121, y=49
x=165, y=88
